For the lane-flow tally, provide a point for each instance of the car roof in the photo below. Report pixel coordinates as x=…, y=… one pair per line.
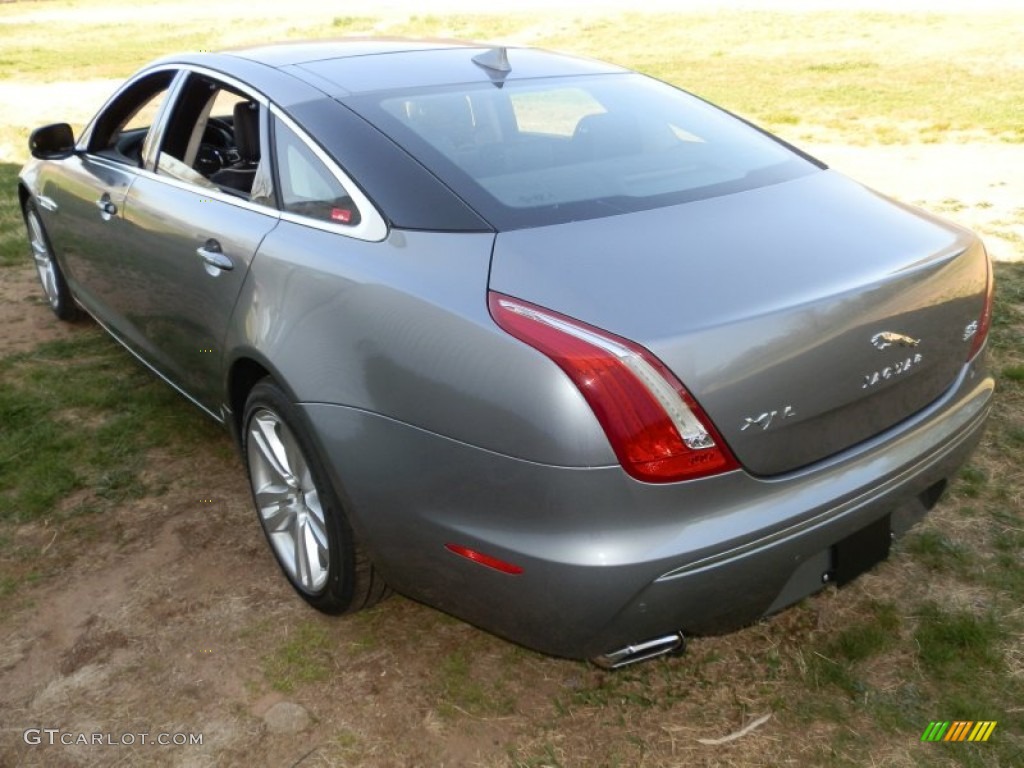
x=305, y=51
x=344, y=67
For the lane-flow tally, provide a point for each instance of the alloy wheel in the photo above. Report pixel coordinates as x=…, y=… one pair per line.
x=288, y=501
x=43, y=258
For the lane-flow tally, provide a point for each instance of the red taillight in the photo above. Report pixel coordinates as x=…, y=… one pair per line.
x=985, y=319
x=658, y=432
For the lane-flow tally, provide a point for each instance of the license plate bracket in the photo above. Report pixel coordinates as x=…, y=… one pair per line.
x=861, y=550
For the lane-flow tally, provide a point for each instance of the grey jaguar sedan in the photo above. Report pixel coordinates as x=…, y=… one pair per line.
x=544, y=343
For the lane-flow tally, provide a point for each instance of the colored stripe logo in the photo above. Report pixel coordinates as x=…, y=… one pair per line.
x=958, y=730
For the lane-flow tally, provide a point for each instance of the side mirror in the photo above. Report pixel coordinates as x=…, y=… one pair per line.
x=52, y=141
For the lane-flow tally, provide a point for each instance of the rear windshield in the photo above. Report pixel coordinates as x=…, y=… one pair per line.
x=546, y=151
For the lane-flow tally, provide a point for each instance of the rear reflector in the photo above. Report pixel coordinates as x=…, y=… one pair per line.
x=657, y=430
x=482, y=559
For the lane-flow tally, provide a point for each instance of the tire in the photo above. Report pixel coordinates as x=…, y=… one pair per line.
x=55, y=287
x=301, y=515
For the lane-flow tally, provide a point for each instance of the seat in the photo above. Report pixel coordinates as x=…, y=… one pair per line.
x=239, y=175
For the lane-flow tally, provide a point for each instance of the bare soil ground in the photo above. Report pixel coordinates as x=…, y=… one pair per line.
x=25, y=318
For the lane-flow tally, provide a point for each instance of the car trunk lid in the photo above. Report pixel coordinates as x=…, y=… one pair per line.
x=804, y=317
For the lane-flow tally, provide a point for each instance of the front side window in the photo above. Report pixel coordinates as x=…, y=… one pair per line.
x=306, y=187
x=121, y=130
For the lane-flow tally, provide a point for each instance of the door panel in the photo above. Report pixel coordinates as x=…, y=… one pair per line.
x=91, y=240
x=192, y=252
x=90, y=233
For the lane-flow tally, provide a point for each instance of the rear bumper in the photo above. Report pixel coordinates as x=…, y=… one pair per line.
x=608, y=561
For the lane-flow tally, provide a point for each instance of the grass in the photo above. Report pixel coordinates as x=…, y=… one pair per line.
x=868, y=638
x=937, y=552
x=72, y=411
x=840, y=659
x=462, y=689
x=958, y=644
x=80, y=419
x=851, y=677
x=305, y=657
x=13, y=248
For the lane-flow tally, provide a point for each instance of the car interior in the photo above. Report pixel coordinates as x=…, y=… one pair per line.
x=212, y=138
x=235, y=166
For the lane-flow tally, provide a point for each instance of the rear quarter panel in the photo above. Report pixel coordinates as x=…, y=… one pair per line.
x=401, y=328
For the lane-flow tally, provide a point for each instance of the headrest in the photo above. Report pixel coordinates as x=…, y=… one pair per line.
x=247, y=130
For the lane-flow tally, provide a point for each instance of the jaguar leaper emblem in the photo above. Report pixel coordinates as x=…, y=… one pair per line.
x=887, y=339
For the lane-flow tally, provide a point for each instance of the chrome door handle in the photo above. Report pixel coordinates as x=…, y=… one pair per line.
x=211, y=253
x=107, y=208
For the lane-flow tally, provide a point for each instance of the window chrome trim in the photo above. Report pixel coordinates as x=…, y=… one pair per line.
x=213, y=193
x=113, y=165
x=198, y=69
x=371, y=226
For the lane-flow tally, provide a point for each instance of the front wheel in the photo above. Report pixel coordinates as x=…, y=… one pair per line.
x=55, y=287
x=301, y=515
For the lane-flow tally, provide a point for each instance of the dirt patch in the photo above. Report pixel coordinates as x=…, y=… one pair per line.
x=24, y=314
x=140, y=620
x=93, y=645
x=171, y=617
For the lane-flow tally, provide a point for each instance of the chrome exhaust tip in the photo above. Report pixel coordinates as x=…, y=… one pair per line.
x=649, y=649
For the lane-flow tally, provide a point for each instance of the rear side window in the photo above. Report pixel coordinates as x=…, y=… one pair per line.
x=214, y=139
x=306, y=186
x=550, y=150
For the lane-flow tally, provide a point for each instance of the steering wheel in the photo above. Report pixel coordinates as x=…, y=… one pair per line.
x=219, y=133
x=217, y=148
